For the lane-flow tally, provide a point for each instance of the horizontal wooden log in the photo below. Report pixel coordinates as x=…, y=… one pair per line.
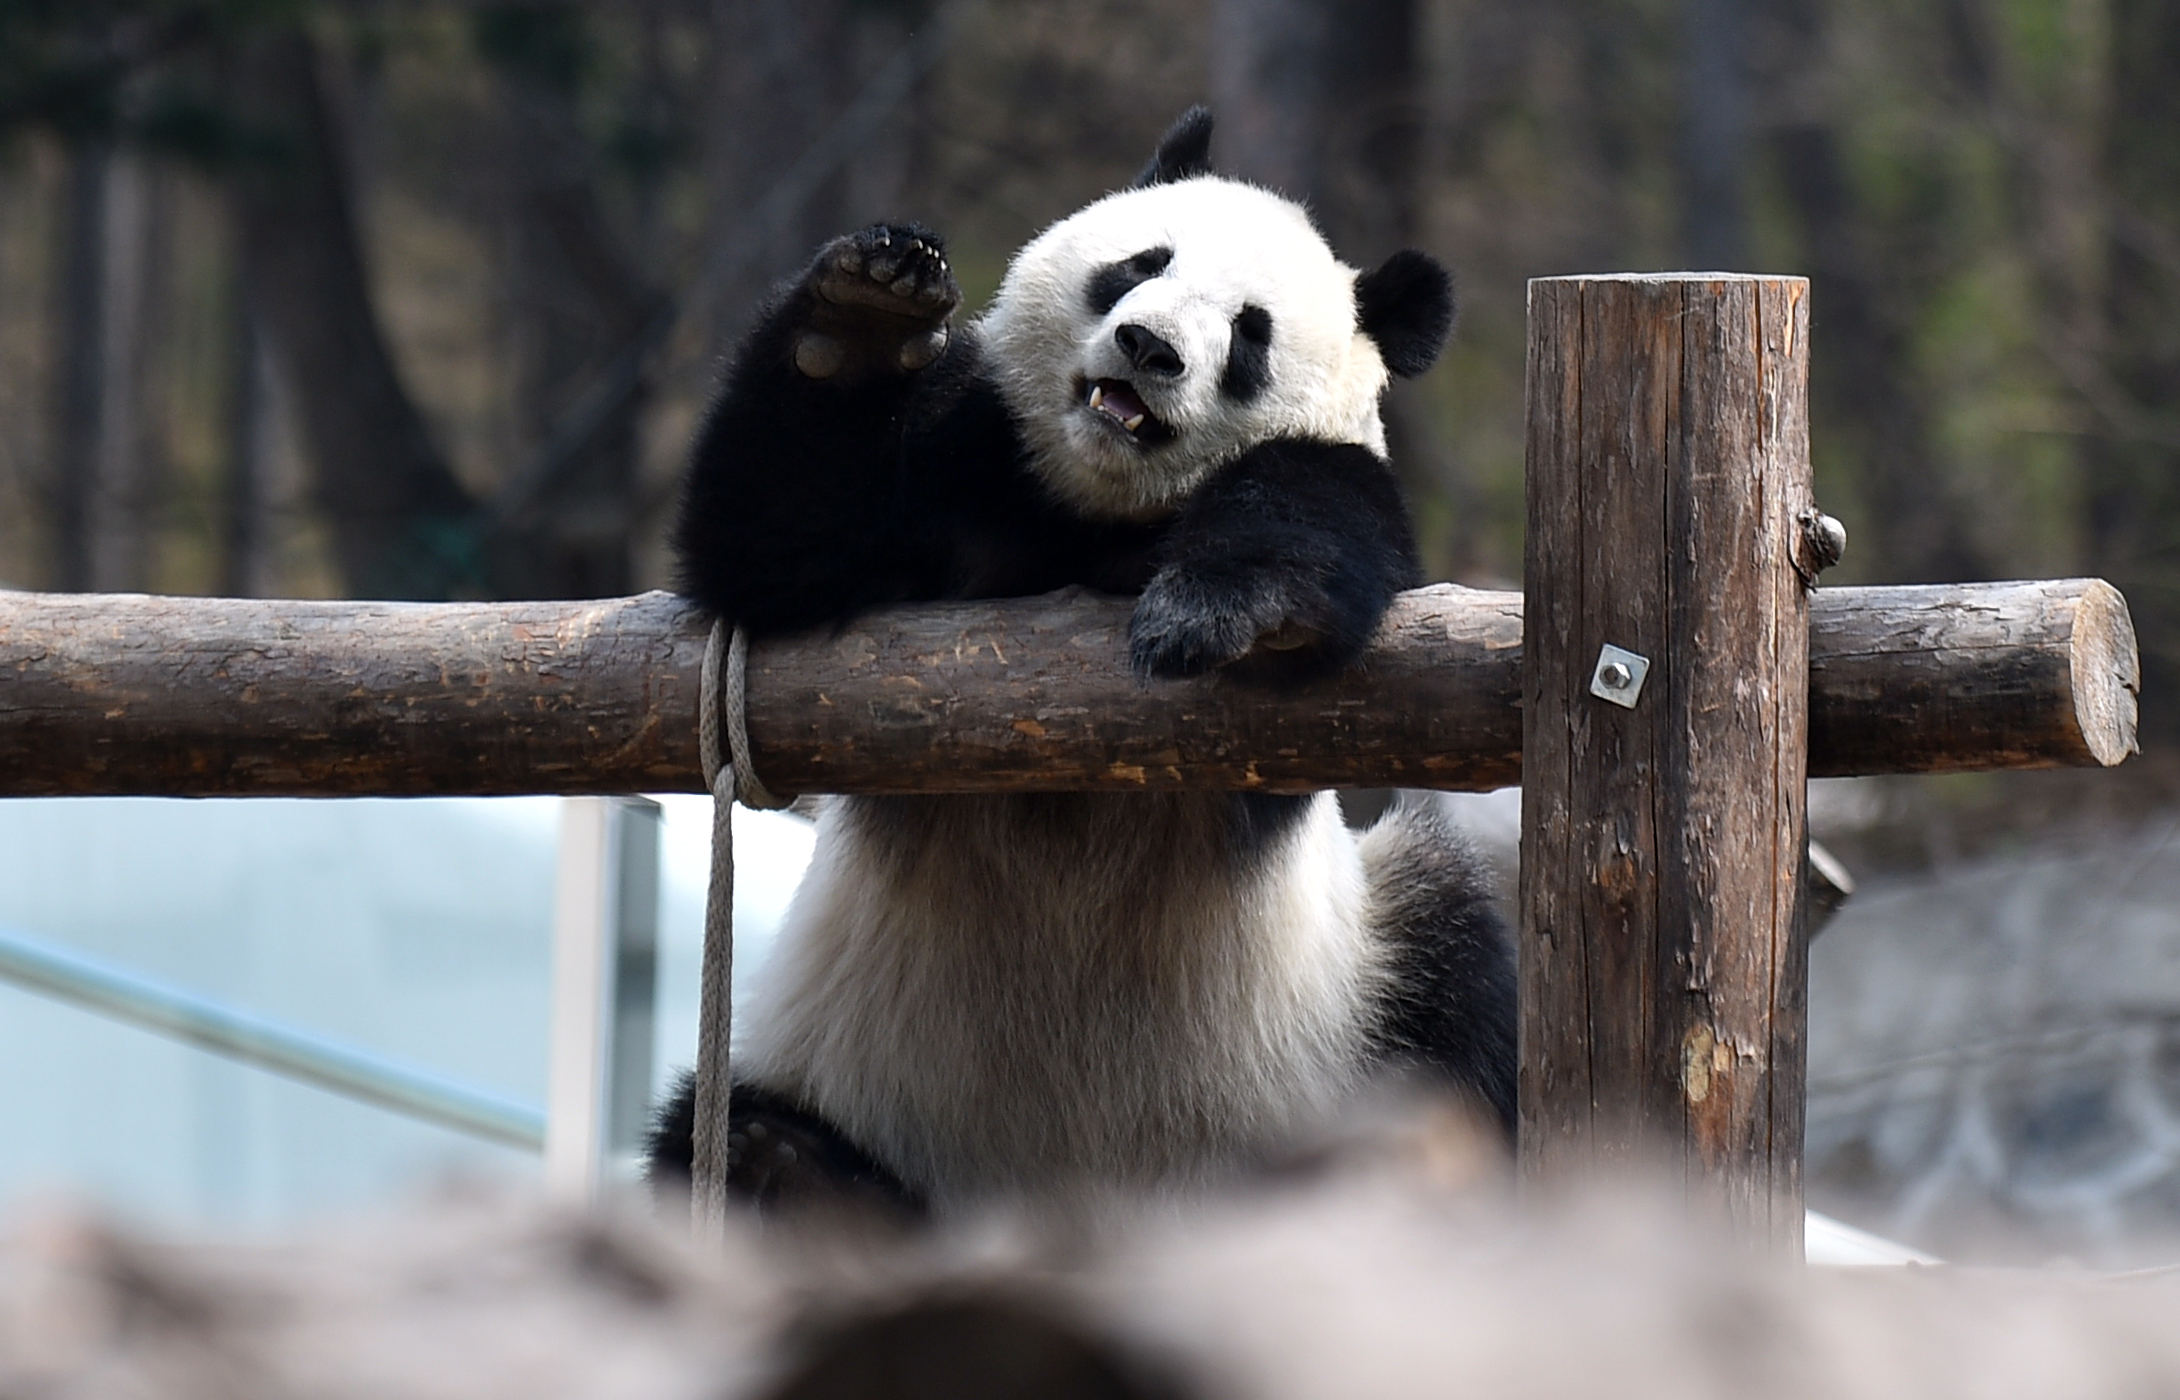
x=1959, y=678
x=212, y=697
x=201, y=697
x=1036, y=693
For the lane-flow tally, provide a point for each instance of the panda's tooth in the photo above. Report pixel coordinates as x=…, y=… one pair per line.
x=1097, y=395
x=1131, y=424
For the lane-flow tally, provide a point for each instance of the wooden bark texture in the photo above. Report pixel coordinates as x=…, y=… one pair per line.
x=1662, y=845
x=209, y=697
x=2002, y=675
x=196, y=697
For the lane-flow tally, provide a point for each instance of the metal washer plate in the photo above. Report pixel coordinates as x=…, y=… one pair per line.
x=1618, y=676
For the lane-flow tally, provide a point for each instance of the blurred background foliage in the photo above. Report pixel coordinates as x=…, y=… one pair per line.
x=420, y=298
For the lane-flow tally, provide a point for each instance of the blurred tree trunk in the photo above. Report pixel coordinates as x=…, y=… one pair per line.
x=395, y=510
x=1268, y=77
x=1323, y=101
x=104, y=479
x=1714, y=141
x=578, y=302
x=780, y=79
x=130, y=448
x=78, y=320
x=1863, y=381
x=1319, y=99
x=242, y=523
x=2134, y=463
x=1866, y=303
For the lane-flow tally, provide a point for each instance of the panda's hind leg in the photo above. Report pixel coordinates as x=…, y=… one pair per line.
x=878, y=304
x=781, y=1159
x=1450, y=1006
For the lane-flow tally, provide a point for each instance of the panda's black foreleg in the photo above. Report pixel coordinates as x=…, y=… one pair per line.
x=782, y=1160
x=1292, y=553
x=795, y=512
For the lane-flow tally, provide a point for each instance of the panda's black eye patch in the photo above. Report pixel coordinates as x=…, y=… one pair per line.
x=1248, y=355
x=1116, y=279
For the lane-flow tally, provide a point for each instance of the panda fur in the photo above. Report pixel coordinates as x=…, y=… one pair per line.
x=1052, y=997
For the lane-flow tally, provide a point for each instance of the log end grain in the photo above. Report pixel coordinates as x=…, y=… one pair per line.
x=2106, y=671
x=1971, y=677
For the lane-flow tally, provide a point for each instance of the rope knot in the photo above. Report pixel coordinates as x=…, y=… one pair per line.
x=728, y=711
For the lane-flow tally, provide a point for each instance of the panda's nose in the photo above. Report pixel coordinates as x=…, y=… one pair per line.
x=1147, y=352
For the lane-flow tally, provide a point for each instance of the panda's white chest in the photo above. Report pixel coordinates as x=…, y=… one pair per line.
x=1047, y=994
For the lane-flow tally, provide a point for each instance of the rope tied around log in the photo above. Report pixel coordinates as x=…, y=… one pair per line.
x=722, y=703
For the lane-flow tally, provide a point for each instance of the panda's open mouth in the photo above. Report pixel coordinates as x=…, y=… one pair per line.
x=1116, y=401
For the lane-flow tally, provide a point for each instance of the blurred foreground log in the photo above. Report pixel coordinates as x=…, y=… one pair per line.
x=1370, y=1287
x=121, y=694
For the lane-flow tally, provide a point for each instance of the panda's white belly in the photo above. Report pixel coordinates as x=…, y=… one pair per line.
x=1044, y=995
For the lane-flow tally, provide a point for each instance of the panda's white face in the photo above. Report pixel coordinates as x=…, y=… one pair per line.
x=1147, y=340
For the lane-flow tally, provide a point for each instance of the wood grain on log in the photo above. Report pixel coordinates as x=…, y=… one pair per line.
x=2002, y=675
x=1662, y=980
x=1036, y=693
x=207, y=697
x=210, y=697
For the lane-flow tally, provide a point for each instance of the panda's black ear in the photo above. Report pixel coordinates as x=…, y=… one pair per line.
x=1407, y=307
x=1184, y=152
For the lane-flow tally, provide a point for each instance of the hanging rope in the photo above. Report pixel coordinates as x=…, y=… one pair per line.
x=721, y=699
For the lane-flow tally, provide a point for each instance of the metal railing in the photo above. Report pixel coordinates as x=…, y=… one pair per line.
x=287, y=1050
x=605, y=988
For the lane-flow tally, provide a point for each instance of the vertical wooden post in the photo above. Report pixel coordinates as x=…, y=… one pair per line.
x=1662, y=977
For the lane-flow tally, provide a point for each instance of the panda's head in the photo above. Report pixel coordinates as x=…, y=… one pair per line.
x=1145, y=341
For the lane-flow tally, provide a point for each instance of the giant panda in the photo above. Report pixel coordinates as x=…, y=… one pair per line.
x=1055, y=998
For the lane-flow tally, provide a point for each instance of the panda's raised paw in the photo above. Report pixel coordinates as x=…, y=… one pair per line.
x=879, y=302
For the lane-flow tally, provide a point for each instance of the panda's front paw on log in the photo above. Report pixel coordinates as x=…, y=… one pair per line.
x=1187, y=624
x=879, y=301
